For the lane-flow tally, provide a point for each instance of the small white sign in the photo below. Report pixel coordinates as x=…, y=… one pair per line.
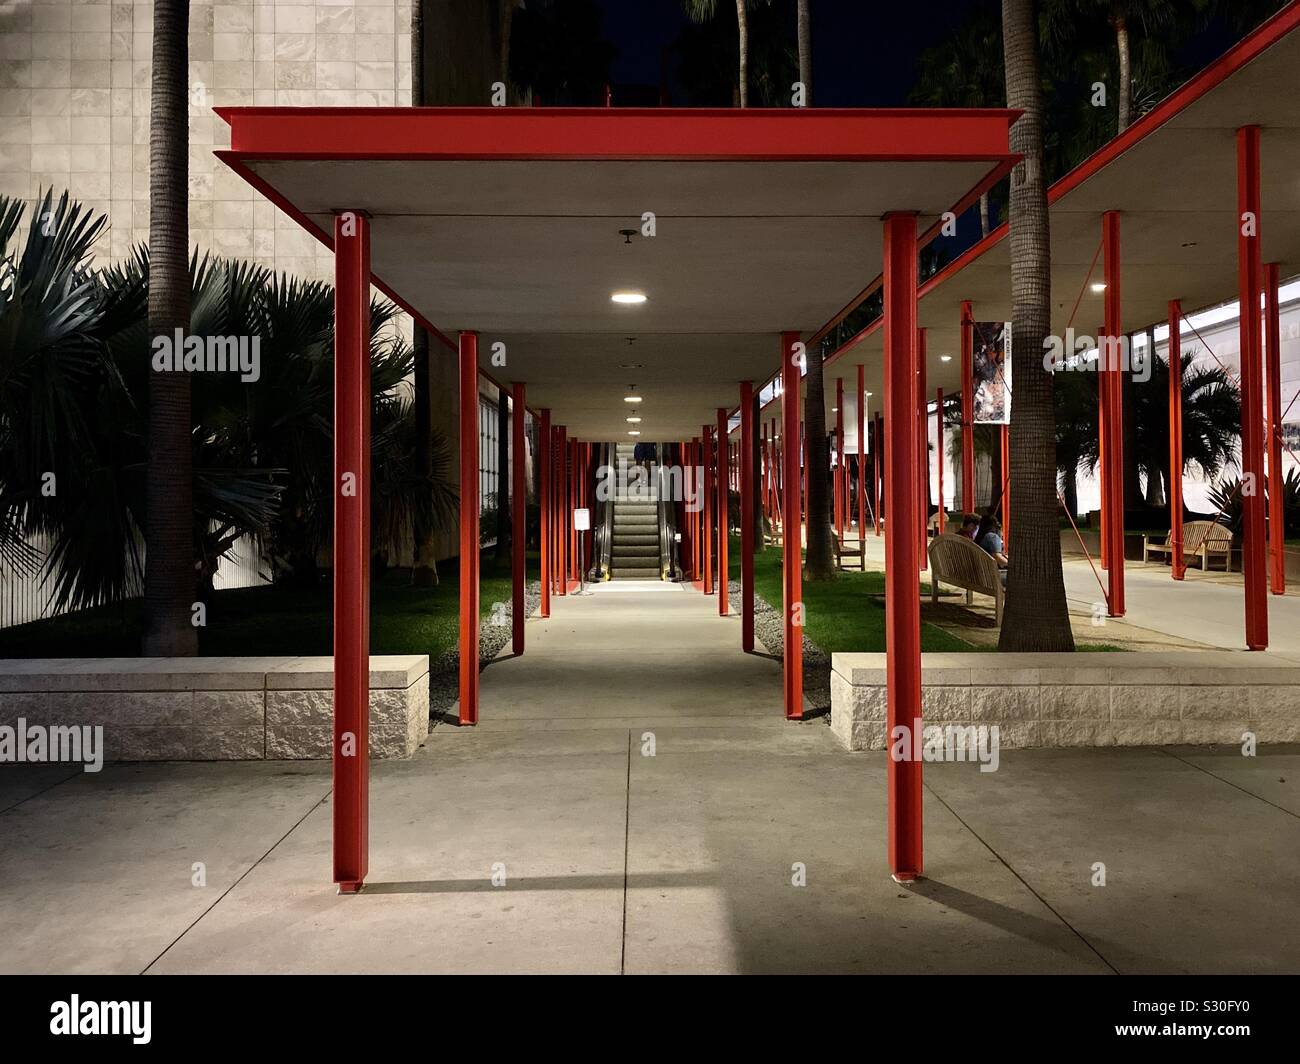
x=581, y=520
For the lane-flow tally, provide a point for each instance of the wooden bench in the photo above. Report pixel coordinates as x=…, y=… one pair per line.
x=957, y=560
x=1200, y=539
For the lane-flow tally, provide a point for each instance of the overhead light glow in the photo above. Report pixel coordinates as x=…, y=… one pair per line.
x=1099, y=286
x=633, y=420
x=633, y=432
x=628, y=298
x=631, y=398
x=945, y=358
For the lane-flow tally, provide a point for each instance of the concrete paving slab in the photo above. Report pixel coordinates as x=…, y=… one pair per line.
x=1200, y=876
x=18, y=783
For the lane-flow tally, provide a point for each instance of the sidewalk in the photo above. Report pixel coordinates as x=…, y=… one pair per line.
x=681, y=862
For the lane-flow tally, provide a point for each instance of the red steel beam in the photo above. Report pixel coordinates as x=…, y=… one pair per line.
x=1177, y=566
x=747, y=516
x=1276, y=500
x=724, y=530
x=1250, y=284
x=351, y=749
x=519, y=517
x=544, y=504
x=469, y=528
x=1112, y=377
x=967, y=408
x=902, y=597
x=791, y=554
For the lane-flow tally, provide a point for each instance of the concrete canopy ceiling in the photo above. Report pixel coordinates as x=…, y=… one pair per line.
x=766, y=221
x=1173, y=179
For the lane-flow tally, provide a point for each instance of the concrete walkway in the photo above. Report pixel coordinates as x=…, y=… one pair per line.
x=685, y=861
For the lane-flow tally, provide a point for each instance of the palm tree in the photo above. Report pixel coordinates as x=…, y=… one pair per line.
x=702, y=11
x=965, y=70
x=169, y=586
x=1036, y=617
x=803, y=19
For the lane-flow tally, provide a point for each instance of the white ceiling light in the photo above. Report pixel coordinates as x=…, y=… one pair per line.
x=633, y=432
x=1099, y=286
x=628, y=298
x=945, y=358
x=633, y=420
x=631, y=398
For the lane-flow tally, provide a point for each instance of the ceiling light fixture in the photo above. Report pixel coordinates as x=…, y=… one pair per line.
x=631, y=398
x=1099, y=286
x=945, y=358
x=628, y=298
x=633, y=432
x=633, y=420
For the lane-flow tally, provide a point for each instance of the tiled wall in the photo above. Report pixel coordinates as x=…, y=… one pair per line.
x=74, y=105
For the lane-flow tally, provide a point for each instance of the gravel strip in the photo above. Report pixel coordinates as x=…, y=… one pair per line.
x=493, y=637
x=769, y=630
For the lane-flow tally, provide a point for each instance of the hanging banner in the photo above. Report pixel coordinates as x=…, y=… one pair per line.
x=991, y=368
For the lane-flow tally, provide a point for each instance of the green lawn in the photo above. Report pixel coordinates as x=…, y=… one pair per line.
x=275, y=621
x=843, y=616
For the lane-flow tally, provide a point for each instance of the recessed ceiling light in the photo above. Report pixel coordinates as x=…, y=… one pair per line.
x=633, y=432
x=1099, y=286
x=631, y=398
x=630, y=365
x=633, y=420
x=835, y=410
x=945, y=358
x=629, y=298
x=869, y=394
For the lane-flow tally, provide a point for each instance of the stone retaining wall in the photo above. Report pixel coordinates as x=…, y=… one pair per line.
x=215, y=709
x=1091, y=699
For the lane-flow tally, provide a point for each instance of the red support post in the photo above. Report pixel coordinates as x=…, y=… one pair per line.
x=840, y=481
x=575, y=492
x=1276, y=500
x=544, y=504
x=1177, y=565
x=862, y=463
x=804, y=495
x=696, y=518
x=938, y=418
x=902, y=597
x=562, y=518
x=967, y=408
x=706, y=528
x=791, y=551
x=724, y=461
x=469, y=528
x=1102, y=468
x=1250, y=284
x=1111, y=375
x=351, y=749
x=921, y=406
x=518, y=516
x=747, y=516
x=877, y=469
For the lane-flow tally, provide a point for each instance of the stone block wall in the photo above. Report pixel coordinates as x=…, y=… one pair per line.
x=215, y=709
x=1057, y=700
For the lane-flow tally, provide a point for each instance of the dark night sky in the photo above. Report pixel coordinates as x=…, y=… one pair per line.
x=864, y=51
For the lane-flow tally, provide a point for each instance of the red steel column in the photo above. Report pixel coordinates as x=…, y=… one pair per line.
x=920, y=406
x=938, y=419
x=1176, y=564
x=747, y=516
x=562, y=518
x=697, y=493
x=351, y=749
x=1276, y=507
x=1112, y=378
x=1102, y=477
x=902, y=596
x=967, y=408
x=1250, y=283
x=543, y=472
x=519, y=518
x=791, y=552
x=469, y=528
x=862, y=463
x=877, y=469
x=724, y=462
x=840, y=481
x=706, y=538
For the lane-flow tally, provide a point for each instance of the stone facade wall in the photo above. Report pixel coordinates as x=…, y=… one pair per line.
x=215, y=709
x=1055, y=700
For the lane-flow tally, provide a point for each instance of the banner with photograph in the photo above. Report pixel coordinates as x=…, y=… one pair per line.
x=991, y=368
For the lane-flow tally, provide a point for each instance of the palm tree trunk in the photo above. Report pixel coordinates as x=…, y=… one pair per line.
x=1036, y=616
x=424, y=570
x=1125, y=72
x=820, y=564
x=742, y=24
x=169, y=584
x=805, y=50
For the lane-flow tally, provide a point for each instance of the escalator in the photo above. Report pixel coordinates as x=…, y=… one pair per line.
x=635, y=526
